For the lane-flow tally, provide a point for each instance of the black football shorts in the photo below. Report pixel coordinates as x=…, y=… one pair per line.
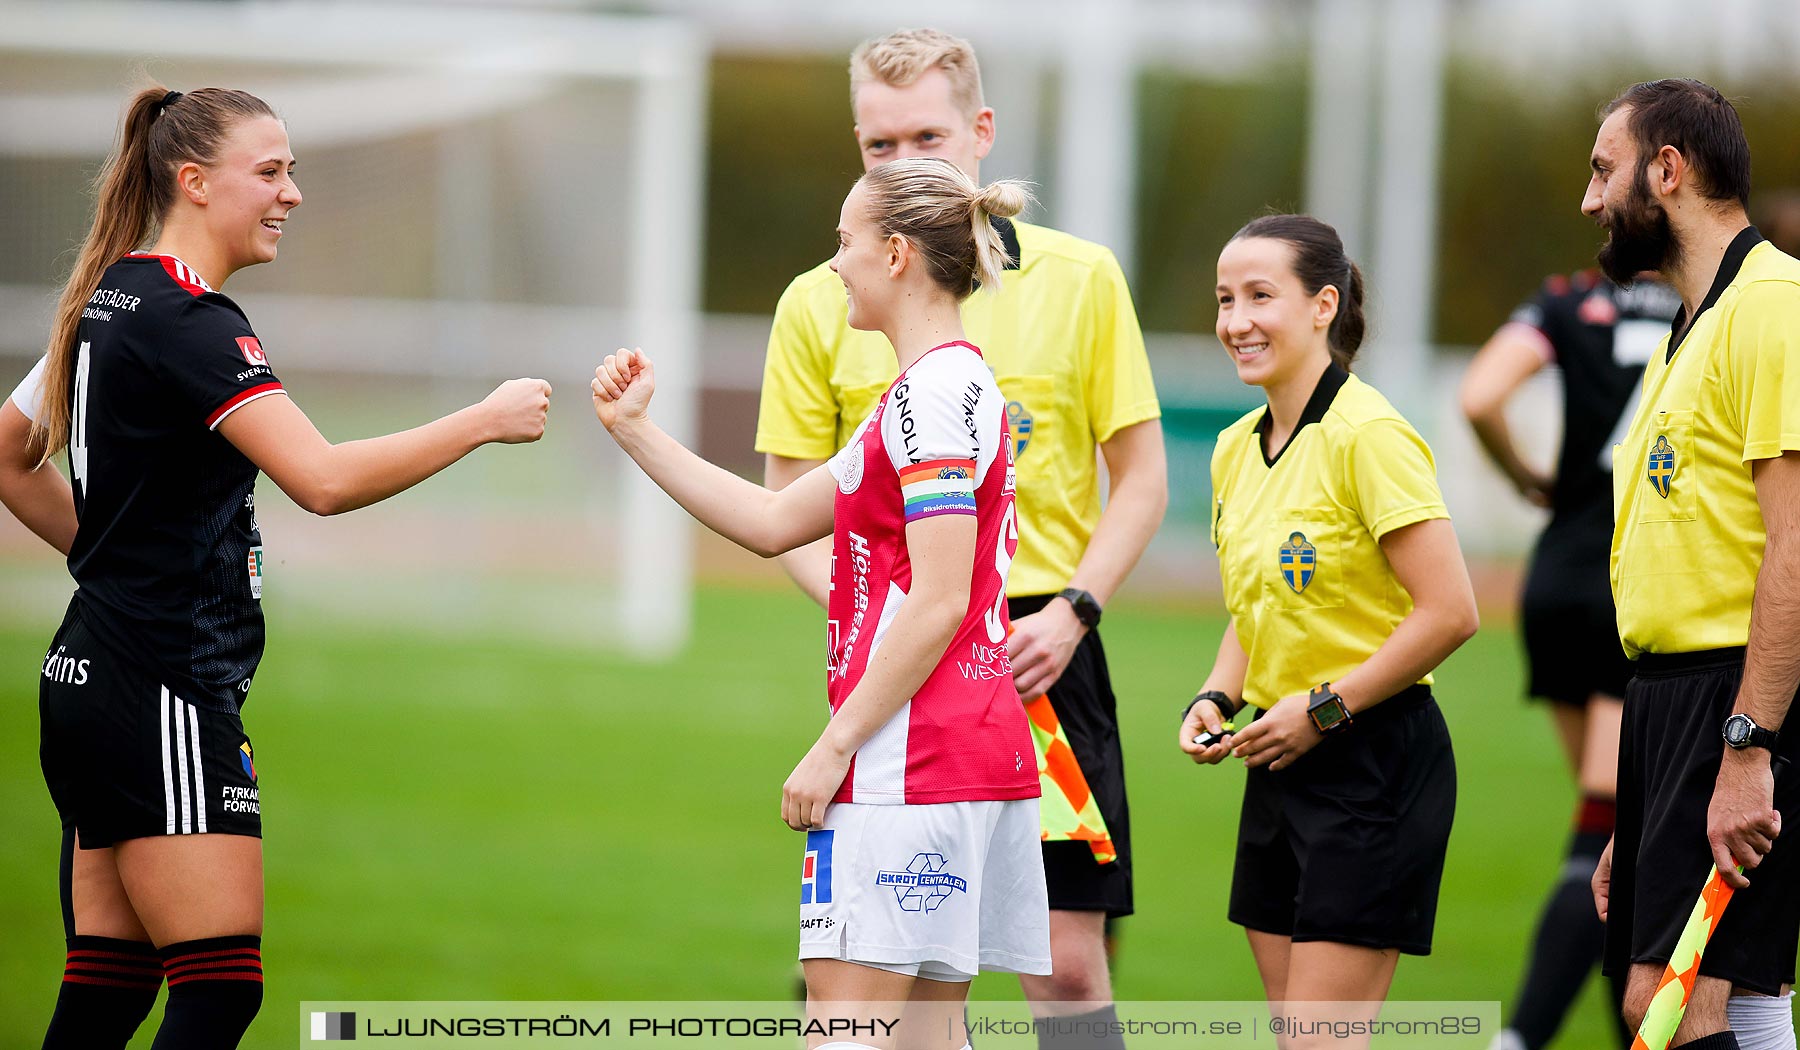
x=126, y=757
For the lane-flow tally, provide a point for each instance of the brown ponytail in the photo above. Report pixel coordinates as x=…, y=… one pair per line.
x=161, y=130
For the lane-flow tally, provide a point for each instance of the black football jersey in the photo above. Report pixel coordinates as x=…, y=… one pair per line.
x=167, y=557
x=1600, y=335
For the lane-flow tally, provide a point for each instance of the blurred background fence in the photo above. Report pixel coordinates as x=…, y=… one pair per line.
x=496, y=188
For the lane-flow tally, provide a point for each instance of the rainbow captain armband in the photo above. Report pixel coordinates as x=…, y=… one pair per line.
x=938, y=486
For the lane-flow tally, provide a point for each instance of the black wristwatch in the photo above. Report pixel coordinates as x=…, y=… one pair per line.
x=1087, y=610
x=1227, y=707
x=1327, y=710
x=1741, y=731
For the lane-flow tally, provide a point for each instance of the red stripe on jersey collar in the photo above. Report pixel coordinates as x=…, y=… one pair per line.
x=183, y=274
x=956, y=342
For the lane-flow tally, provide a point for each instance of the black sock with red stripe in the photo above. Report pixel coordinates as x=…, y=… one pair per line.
x=108, y=988
x=1570, y=937
x=215, y=989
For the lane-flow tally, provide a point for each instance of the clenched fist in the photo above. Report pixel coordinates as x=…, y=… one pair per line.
x=622, y=387
x=517, y=409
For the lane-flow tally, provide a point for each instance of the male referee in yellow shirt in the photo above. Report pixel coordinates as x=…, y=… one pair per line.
x=1063, y=340
x=1705, y=570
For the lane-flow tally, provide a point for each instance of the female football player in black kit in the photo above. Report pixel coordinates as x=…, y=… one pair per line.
x=167, y=403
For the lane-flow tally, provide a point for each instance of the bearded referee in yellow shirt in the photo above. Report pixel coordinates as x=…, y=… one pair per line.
x=1063, y=340
x=1705, y=570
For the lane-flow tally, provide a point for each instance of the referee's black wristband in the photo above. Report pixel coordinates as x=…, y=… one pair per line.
x=1227, y=707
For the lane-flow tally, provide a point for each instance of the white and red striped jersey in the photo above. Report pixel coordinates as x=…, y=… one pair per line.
x=936, y=443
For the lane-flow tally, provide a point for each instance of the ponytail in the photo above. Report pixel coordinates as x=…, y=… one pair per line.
x=945, y=217
x=1003, y=200
x=161, y=130
x=122, y=214
x=1347, y=328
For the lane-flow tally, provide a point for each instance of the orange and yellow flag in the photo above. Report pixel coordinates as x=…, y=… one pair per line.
x=1068, y=807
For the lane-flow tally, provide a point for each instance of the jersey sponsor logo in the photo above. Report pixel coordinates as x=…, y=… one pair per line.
x=815, y=869
x=256, y=571
x=852, y=469
x=251, y=348
x=1662, y=465
x=924, y=885
x=248, y=759
x=1018, y=422
x=114, y=298
x=65, y=670
x=860, y=562
x=971, y=400
x=1298, y=560
x=986, y=663
x=909, y=427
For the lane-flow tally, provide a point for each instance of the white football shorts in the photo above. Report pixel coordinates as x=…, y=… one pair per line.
x=940, y=891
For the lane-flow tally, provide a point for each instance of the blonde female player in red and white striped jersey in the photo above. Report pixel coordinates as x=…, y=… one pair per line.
x=919, y=799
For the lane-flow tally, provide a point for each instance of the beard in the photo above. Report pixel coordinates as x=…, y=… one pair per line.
x=1638, y=236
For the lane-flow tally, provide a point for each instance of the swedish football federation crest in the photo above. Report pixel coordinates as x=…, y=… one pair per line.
x=1298, y=559
x=1018, y=422
x=1662, y=465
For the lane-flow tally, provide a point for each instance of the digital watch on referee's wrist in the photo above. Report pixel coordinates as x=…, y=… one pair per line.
x=1087, y=609
x=1327, y=710
x=1741, y=731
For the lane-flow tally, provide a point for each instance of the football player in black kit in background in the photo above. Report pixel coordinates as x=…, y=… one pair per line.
x=166, y=401
x=1599, y=335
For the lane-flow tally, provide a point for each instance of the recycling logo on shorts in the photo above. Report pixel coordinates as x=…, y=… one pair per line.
x=924, y=884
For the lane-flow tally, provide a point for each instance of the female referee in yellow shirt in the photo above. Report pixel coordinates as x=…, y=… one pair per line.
x=1346, y=587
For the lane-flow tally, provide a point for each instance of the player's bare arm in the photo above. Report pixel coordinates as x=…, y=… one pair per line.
x=809, y=566
x=1511, y=355
x=941, y=549
x=1137, y=496
x=1741, y=822
x=36, y=494
x=330, y=479
x=766, y=523
x=1227, y=676
x=1428, y=562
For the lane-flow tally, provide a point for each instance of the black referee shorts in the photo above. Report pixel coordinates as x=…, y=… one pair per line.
x=1669, y=754
x=1347, y=844
x=125, y=757
x=1570, y=629
x=1083, y=701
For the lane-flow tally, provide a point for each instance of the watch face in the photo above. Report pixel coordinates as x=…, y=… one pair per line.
x=1737, y=730
x=1329, y=713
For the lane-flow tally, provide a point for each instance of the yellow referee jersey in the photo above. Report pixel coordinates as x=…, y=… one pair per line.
x=1062, y=338
x=1688, y=533
x=1310, y=592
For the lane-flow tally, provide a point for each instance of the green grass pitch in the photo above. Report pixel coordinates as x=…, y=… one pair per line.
x=452, y=819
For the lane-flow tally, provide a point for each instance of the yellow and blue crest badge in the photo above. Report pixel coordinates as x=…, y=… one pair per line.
x=1662, y=465
x=1018, y=421
x=1298, y=559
